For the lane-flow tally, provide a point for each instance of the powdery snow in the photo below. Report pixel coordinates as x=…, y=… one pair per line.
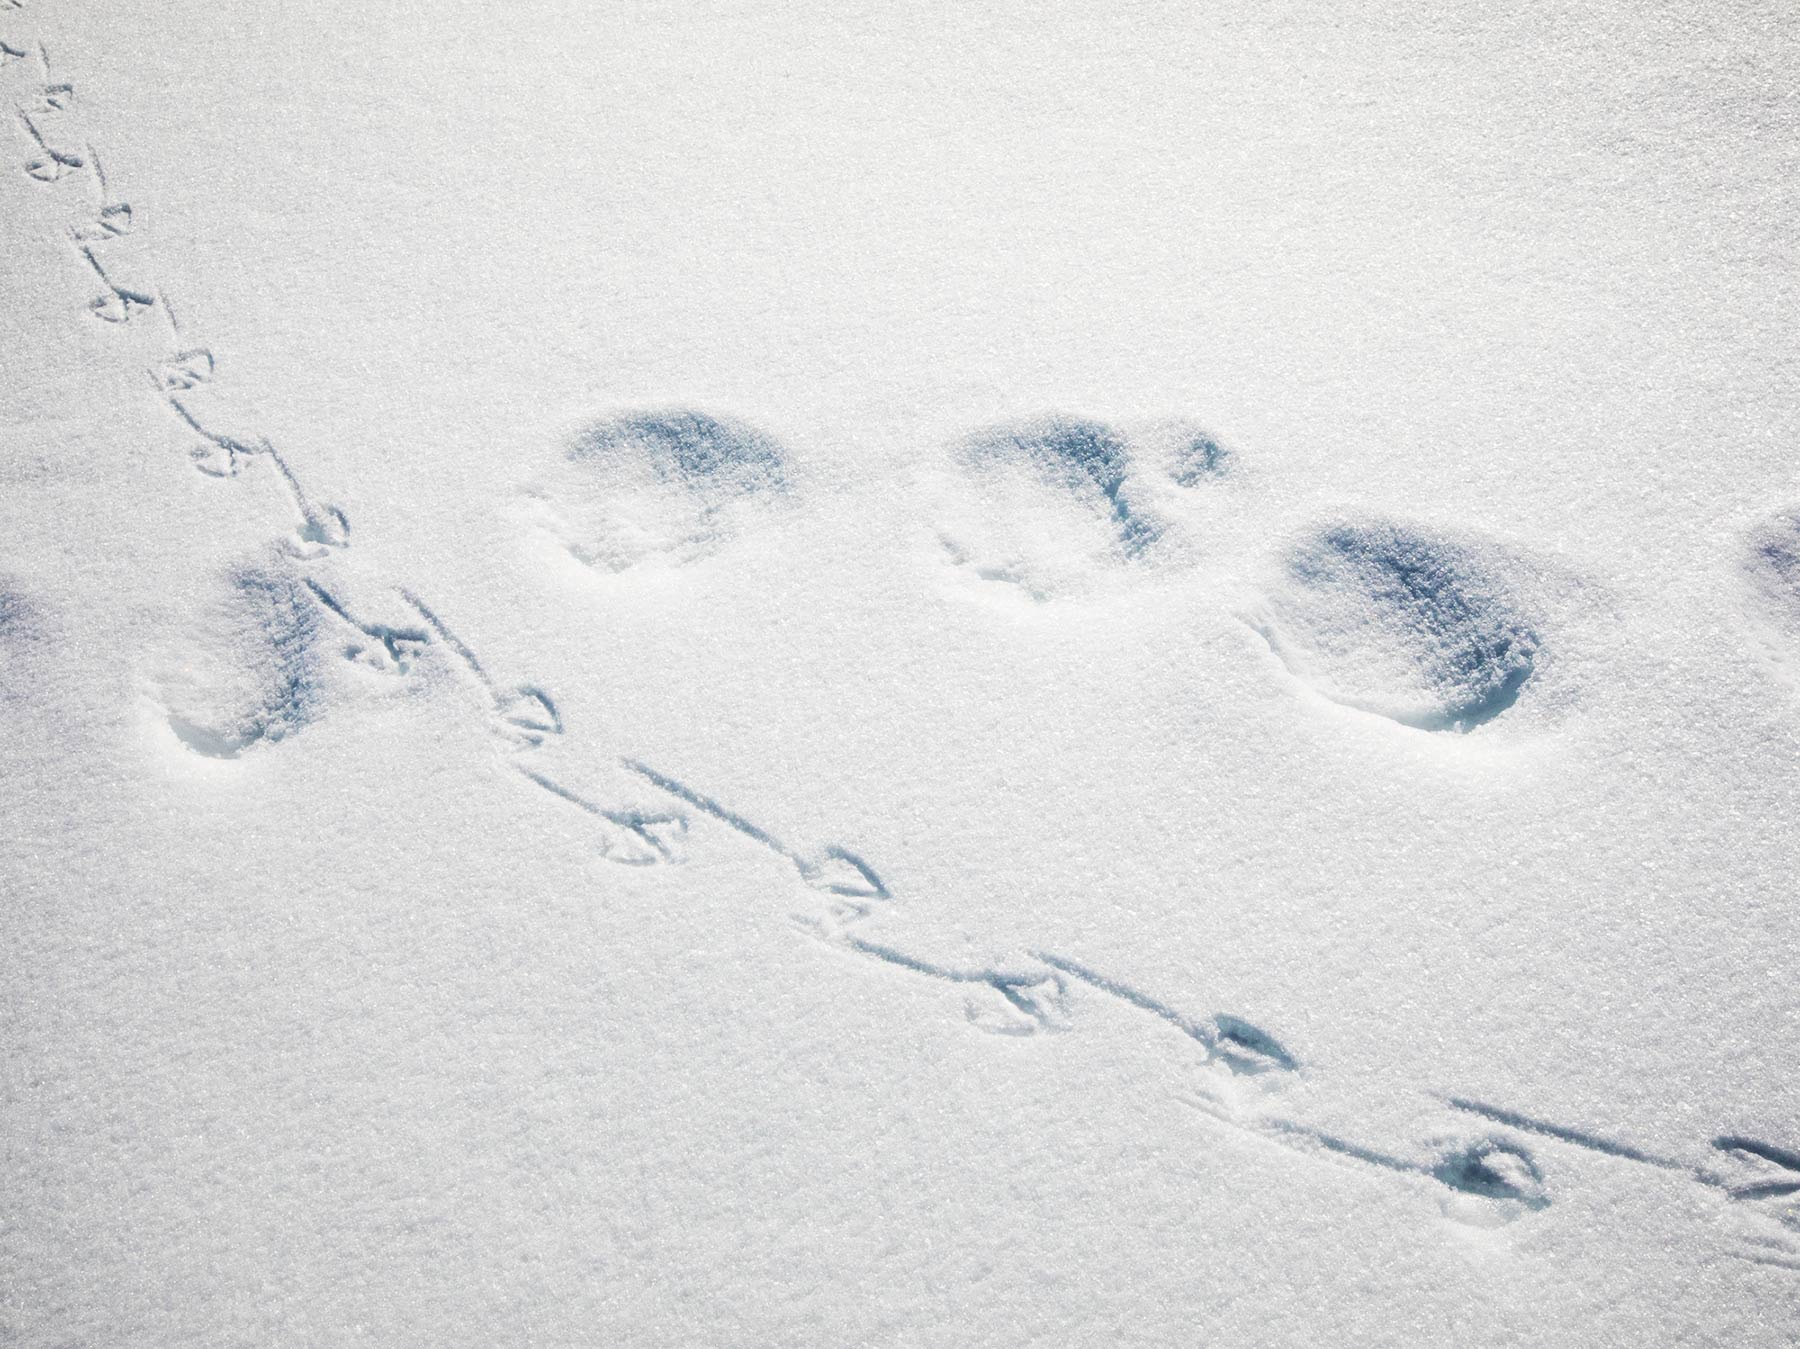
x=761, y=674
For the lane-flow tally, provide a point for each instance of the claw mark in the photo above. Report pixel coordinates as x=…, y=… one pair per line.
x=110, y=223
x=321, y=527
x=530, y=710
x=50, y=97
x=172, y=319
x=54, y=98
x=1754, y=1153
x=1592, y=1142
x=1767, y=1152
x=394, y=653
x=525, y=710
x=649, y=830
x=1242, y=1047
x=838, y=871
x=1356, y=1152
x=183, y=370
x=835, y=870
x=187, y=367
x=1485, y=1168
x=52, y=164
x=117, y=304
x=206, y=460
x=708, y=806
x=1768, y=1189
x=1034, y=1001
x=112, y=219
x=1771, y=1189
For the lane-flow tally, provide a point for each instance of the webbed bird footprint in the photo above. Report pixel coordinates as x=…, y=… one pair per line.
x=387, y=648
x=670, y=485
x=1401, y=622
x=1492, y=1168
x=1763, y=1182
x=1761, y=1171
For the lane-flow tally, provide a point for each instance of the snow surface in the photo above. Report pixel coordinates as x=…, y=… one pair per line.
x=943, y=675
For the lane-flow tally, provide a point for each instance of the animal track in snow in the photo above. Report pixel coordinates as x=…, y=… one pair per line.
x=110, y=218
x=182, y=370
x=1492, y=1168
x=378, y=646
x=834, y=870
x=1241, y=1047
x=120, y=299
x=1393, y=620
x=523, y=714
x=1085, y=458
x=1776, y=1170
x=1761, y=1180
x=55, y=154
x=1497, y=1172
x=524, y=717
x=21, y=630
x=1763, y=1183
x=105, y=243
x=1774, y=561
x=1493, y=1177
x=1580, y=1138
x=629, y=837
x=1048, y=504
x=254, y=676
x=1771, y=562
x=1010, y=1002
x=104, y=238
x=708, y=455
x=1195, y=458
x=228, y=439
x=48, y=98
x=15, y=614
x=1178, y=449
x=1375, y=615
x=52, y=162
x=1042, y=504
x=669, y=484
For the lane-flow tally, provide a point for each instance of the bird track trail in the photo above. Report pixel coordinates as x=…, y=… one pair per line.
x=1247, y=1076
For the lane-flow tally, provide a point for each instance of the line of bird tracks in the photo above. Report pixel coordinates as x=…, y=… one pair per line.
x=1479, y=1159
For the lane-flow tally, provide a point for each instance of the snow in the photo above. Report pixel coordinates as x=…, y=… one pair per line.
x=767, y=674
x=1391, y=620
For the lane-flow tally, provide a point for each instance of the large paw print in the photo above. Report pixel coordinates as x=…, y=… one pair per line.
x=666, y=486
x=1400, y=622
